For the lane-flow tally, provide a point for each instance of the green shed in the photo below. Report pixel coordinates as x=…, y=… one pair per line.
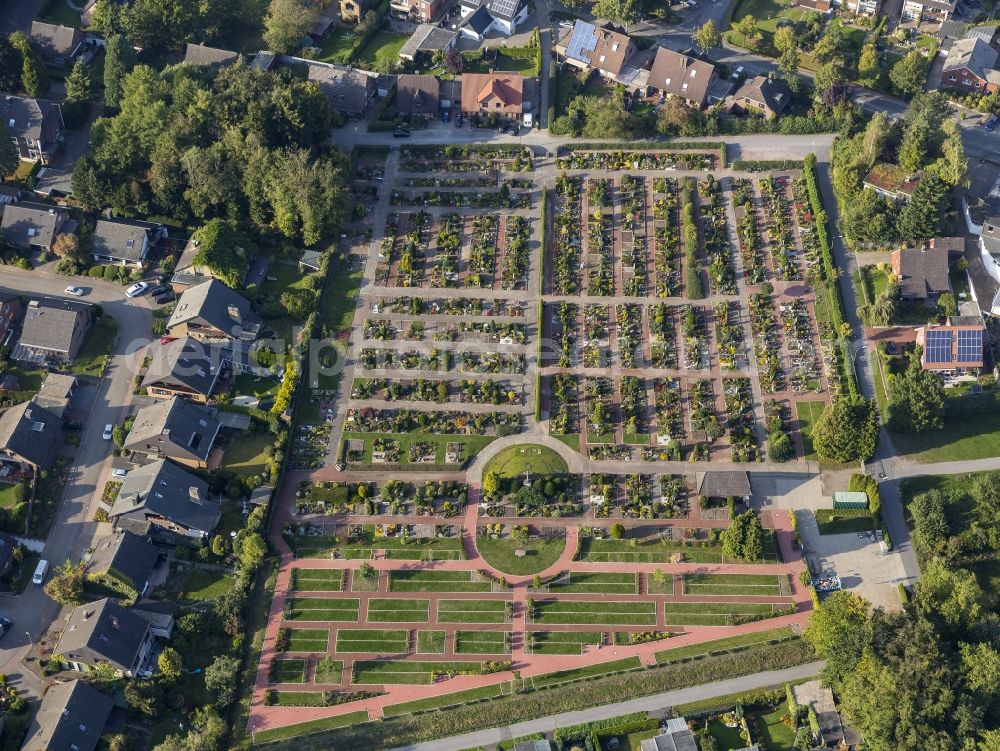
x=850, y=499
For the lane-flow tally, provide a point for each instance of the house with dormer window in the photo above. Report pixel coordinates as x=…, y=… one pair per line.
x=677, y=75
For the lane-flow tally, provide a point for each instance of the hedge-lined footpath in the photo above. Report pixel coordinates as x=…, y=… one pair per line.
x=828, y=275
x=750, y=165
x=502, y=711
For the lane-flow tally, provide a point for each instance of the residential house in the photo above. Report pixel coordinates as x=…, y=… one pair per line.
x=869, y=8
x=56, y=393
x=71, y=717
x=989, y=245
x=176, y=429
x=676, y=736
x=164, y=497
x=955, y=349
x=104, y=632
x=210, y=312
x=33, y=226
x=53, y=331
x=480, y=17
x=55, y=44
x=10, y=315
x=763, y=96
x=892, y=181
x=184, y=367
x=833, y=732
x=493, y=93
x=589, y=46
x=418, y=11
x=29, y=435
x=429, y=38
x=125, y=241
x=971, y=66
x=723, y=484
x=418, y=95
x=349, y=91
x=125, y=556
x=35, y=126
x=682, y=76
x=212, y=57
x=930, y=11
x=922, y=273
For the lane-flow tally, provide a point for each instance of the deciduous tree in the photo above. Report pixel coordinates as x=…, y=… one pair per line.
x=746, y=27
x=9, y=158
x=66, y=584
x=707, y=37
x=119, y=60
x=915, y=400
x=909, y=74
x=847, y=431
x=286, y=23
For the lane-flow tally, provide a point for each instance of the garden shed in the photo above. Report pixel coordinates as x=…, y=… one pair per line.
x=850, y=499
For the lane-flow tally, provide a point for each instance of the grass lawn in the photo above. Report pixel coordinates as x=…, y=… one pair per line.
x=538, y=554
x=710, y=613
x=336, y=48
x=720, y=645
x=10, y=493
x=312, y=726
x=662, y=551
x=472, y=611
x=328, y=670
x=514, y=461
x=441, y=548
x=248, y=384
x=664, y=587
x=361, y=584
x=523, y=65
x=732, y=584
x=567, y=86
x=595, y=613
x=727, y=738
x=575, y=674
x=630, y=742
x=397, y=611
x=288, y=671
x=617, y=584
x=563, y=642
x=301, y=699
x=430, y=642
x=339, y=306
x=207, y=584
x=973, y=436
x=245, y=455
x=445, y=700
x=317, y=580
x=93, y=355
x=481, y=642
x=372, y=640
x=399, y=671
x=878, y=374
x=836, y=522
x=807, y=414
x=572, y=440
x=769, y=14
x=323, y=609
x=308, y=639
x=436, y=581
x=382, y=46
x=777, y=735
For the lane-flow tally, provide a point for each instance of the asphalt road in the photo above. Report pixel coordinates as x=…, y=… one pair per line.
x=17, y=15
x=652, y=703
x=73, y=531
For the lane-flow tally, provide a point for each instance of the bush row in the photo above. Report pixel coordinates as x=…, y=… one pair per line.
x=749, y=165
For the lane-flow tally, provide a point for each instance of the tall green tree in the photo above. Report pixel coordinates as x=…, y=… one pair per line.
x=10, y=66
x=869, y=67
x=910, y=74
x=788, y=63
x=625, y=12
x=286, y=23
x=784, y=39
x=34, y=77
x=923, y=215
x=744, y=537
x=838, y=631
x=119, y=61
x=915, y=400
x=747, y=29
x=847, y=431
x=79, y=91
x=9, y=158
x=707, y=37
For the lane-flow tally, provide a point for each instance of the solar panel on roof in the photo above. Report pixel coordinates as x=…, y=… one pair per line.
x=970, y=346
x=504, y=8
x=937, y=346
x=582, y=42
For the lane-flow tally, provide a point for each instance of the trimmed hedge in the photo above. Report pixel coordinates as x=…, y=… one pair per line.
x=745, y=165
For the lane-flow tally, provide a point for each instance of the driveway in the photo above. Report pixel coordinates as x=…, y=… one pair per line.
x=73, y=530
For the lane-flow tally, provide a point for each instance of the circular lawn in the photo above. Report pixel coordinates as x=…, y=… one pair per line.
x=538, y=555
x=514, y=461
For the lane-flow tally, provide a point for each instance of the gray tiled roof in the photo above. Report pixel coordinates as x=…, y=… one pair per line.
x=922, y=272
x=103, y=631
x=49, y=324
x=480, y=21
x=199, y=54
x=53, y=40
x=164, y=489
x=975, y=54
x=71, y=718
x=120, y=238
x=25, y=117
x=174, y=428
x=991, y=235
x=348, y=90
x=716, y=484
x=214, y=303
x=417, y=95
x=31, y=432
x=29, y=225
x=770, y=92
x=130, y=555
x=185, y=363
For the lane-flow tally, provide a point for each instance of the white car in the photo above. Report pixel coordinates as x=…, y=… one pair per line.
x=75, y=291
x=737, y=73
x=136, y=289
x=108, y=430
x=119, y=474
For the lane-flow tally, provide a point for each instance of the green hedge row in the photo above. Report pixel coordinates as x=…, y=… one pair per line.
x=749, y=165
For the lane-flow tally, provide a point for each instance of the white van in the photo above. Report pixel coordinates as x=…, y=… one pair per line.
x=40, y=570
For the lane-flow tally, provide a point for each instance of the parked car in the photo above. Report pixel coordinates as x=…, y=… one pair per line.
x=458, y=119
x=400, y=133
x=75, y=291
x=737, y=73
x=446, y=116
x=119, y=474
x=108, y=430
x=166, y=297
x=136, y=289
x=73, y=425
x=992, y=122
x=5, y=624
x=159, y=289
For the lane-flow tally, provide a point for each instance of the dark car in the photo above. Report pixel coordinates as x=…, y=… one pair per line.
x=73, y=425
x=992, y=122
x=166, y=297
x=458, y=120
x=158, y=290
x=400, y=133
x=446, y=116
x=5, y=624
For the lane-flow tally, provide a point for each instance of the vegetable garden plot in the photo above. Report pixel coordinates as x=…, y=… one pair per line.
x=321, y=609
x=482, y=642
x=399, y=671
x=736, y=584
x=617, y=584
x=317, y=580
x=562, y=642
x=714, y=613
x=383, y=610
x=436, y=581
x=610, y=613
x=473, y=611
x=378, y=641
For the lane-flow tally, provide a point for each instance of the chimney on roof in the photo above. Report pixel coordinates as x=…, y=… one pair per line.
x=234, y=313
x=193, y=494
x=114, y=621
x=87, y=614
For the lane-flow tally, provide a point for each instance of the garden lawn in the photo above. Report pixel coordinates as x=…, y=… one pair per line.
x=602, y=668
x=539, y=554
x=323, y=609
x=397, y=611
x=288, y=671
x=312, y=726
x=207, y=584
x=514, y=461
x=430, y=642
x=589, y=612
x=9, y=494
x=616, y=584
x=563, y=642
x=732, y=584
x=301, y=699
x=523, y=65
x=372, y=640
x=836, y=522
x=93, y=355
x=361, y=584
x=400, y=671
x=317, y=580
x=720, y=645
x=973, y=436
x=381, y=48
x=60, y=13
x=336, y=48
x=768, y=13
x=472, y=611
x=245, y=456
x=481, y=642
x=727, y=738
x=440, y=548
x=807, y=413
x=436, y=581
x=308, y=639
x=328, y=671
x=777, y=735
x=710, y=613
x=261, y=387
x=663, y=551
